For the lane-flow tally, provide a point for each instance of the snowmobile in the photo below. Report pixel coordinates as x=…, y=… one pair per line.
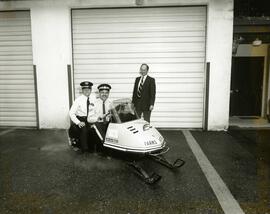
x=129, y=134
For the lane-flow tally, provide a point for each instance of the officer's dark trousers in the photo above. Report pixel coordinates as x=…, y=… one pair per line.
x=83, y=134
x=102, y=129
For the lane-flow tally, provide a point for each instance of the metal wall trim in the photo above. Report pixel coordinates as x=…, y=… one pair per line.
x=205, y=128
x=36, y=95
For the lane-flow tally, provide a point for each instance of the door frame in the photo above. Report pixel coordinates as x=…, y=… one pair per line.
x=247, y=50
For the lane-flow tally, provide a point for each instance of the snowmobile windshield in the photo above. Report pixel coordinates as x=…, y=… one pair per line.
x=123, y=111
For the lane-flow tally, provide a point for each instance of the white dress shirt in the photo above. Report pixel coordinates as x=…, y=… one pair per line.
x=99, y=106
x=79, y=108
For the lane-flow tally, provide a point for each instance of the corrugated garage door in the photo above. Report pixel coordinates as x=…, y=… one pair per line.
x=110, y=44
x=17, y=91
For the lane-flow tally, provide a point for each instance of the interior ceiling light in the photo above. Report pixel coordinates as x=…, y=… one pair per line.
x=257, y=42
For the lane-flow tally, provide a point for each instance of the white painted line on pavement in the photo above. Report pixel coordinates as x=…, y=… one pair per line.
x=7, y=131
x=223, y=194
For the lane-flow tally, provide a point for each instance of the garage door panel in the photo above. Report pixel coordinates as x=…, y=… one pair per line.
x=14, y=37
x=177, y=88
x=17, y=99
x=140, y=19
x=16, y=81
x=26, y=118
x=104, y=28
x=175, y=124
x=175, y=119
x=125, y=75
x=179, y=79
x=15, y=57
x=15, y=43
x=122, y=93
x=177, y=108
x=20, y=96
x=146, y=26
x=109, y=45
x=178, y=99
x=172, y=85
x=184, y=105
x=29, y=106
x=18, y=49
x=15, y=68
x=180, y=87
x=14, y=34
x=14, y=27
x=158, y=67
x=14, y=15
x=19, y=75
x=138, y=60
x=93, y=17
x=17, y=91
x=174, y=94
x=10, y=114
x=158, y=55
x=177, y=14
x=138, y=40
x=146, y=19
x=99, y=48
x=17, y=123
x=15, y=63
x=17, y=87
x=161, y=34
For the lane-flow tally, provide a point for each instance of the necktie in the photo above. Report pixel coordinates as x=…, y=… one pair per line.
x=103, y=107
x=104, y=111
x=139, y=92
x=87, y=106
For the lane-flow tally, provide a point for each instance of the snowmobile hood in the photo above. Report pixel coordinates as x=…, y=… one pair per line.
x=134, y=136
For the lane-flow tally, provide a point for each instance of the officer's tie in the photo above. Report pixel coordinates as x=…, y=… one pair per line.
x=103, y=109
x=87, y=106
x=139, y=92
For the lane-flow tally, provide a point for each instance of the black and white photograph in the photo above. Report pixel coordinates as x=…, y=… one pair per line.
x=134, y=107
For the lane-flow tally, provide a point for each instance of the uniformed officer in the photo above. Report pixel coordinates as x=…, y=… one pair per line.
x=103, y=104
x=102, y=108
x=83, y=107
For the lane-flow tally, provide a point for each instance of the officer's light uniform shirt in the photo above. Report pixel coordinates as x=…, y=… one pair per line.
x=99, y=109
x=79, y=108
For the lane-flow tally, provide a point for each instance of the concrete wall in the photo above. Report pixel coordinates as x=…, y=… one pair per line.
x=219, y=53
x=51, y=28
x=51, y=40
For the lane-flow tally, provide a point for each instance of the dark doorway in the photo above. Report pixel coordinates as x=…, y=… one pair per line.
x=246, y=86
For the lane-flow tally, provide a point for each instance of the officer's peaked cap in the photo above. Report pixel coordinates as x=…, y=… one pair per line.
x=104, y=87
x=86, y=84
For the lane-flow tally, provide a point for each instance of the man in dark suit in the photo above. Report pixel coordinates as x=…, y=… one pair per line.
x=144, y=93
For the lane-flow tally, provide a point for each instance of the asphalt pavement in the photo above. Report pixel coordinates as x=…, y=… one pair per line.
x=225, y=172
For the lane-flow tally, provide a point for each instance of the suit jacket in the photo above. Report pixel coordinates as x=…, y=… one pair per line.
x=148, y=94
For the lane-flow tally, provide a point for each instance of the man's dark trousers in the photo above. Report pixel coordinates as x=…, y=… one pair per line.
x=146, y=115
x=82, y=134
